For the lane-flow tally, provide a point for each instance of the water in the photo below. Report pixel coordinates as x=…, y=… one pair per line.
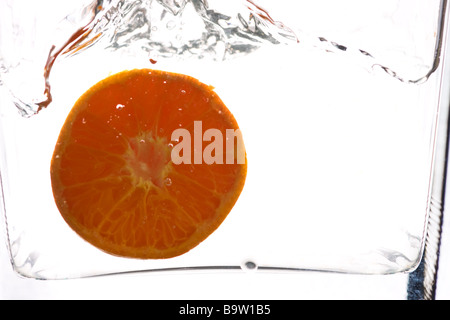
x=184, y=29
x=160, y=29
x=339, y=126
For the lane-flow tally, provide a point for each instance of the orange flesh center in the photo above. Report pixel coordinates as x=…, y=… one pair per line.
x=148, y=159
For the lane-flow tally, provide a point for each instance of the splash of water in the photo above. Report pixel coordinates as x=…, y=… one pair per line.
x=183, y=29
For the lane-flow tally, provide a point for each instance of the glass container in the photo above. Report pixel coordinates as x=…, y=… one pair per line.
x=338, y=103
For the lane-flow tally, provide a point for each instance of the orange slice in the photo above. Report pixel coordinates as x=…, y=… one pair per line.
x=113, y=176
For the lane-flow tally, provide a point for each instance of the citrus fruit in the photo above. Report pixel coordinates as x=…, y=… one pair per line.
x=113, y=178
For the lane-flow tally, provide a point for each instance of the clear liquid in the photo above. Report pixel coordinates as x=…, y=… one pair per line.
x=199, y=29
x=339, y=152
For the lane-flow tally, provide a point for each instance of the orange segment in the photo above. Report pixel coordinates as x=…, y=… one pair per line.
x=113, y=178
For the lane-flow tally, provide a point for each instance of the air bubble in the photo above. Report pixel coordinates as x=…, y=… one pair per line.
x=168, y=182
x=170, y=25
x=249, y=266
x=120, y=106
